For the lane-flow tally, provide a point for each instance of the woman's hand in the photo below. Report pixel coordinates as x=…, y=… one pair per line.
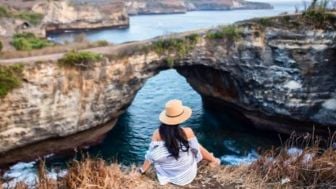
x=145, y=166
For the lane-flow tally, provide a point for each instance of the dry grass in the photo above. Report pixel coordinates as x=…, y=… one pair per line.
x=313, y=167
x=98, y=174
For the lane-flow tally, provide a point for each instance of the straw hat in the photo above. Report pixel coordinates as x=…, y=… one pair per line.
x=175, y=113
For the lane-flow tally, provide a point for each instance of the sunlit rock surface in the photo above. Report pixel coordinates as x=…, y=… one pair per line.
x=64, y=15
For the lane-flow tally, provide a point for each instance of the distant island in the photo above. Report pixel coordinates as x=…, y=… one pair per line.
x=138, y=7
x=182, y=6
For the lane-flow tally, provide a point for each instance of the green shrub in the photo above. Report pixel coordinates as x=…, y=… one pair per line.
x=317, y=14
x=180, y=47
x=102, y=43
x=265, y=22
x=193, y=38
x=1, y=46
x=10, y=78
x=230, y=32
x=170, y=62
x=31, y=17
x=79, y=59
x=28, y=41
x=4, y=12
x=317, y=17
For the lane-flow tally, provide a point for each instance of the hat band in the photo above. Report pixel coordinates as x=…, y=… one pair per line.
x=176, y=115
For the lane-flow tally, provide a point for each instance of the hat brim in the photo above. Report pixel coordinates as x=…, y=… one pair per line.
x=176, y=120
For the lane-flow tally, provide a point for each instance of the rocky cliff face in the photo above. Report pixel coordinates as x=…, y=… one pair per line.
x=56, y=102
x=156, y=7
x=276, y=77
x=62, y=15
x=10, y=26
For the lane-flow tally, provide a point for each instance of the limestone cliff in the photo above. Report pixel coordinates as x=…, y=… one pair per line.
x=278, y=74
x=50, y=16
x=62, y=15
x=156, y=7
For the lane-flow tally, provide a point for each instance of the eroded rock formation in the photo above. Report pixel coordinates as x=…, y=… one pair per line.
x=62, y=15
x=276, y=77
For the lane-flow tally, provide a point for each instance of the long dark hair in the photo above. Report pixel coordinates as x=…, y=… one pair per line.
x=175, y=139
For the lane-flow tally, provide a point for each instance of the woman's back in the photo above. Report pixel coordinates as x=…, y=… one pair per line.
x=181, y=170
x=175, y=151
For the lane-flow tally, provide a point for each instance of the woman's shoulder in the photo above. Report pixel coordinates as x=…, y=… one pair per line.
x=156, y=135
x=189, y=132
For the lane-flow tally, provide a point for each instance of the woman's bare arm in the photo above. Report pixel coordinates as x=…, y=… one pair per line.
x=205, y=153
x=146, y=165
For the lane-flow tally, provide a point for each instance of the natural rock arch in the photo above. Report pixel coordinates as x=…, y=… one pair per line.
x=272, y=80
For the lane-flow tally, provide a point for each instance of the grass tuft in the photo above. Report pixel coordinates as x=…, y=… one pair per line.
x=317, y=14
x=4, y=12
x=81, y=59
x=175, y=48
x=101, y=43
x=265, y=22
x=311, y=163
x=10, y=78
x=28, y=41
x=230, y=32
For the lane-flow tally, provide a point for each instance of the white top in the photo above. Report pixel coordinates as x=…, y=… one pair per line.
x=169, y=170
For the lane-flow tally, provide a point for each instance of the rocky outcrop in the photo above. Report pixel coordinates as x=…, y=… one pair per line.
x=156, y=7
x=275, y=77
x=62, y=15
x=11, y=26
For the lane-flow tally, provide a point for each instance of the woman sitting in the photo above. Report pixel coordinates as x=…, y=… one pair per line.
x=175, y=151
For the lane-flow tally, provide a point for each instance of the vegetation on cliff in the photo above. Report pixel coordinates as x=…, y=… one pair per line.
x=316, y=16
x=10, y=78
x=28, y=16
x=81, y=59
x=175, y=48
x=231, y=32
x=1, y=46
x=28, y=41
